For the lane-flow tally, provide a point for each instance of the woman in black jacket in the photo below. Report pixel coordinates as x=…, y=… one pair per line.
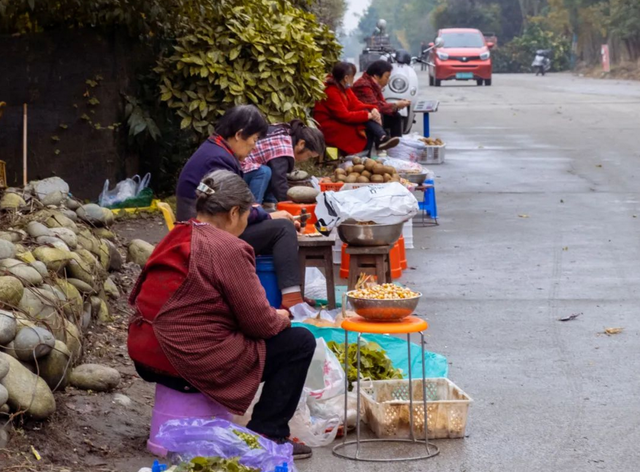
x=266, y=168
x=237, y=133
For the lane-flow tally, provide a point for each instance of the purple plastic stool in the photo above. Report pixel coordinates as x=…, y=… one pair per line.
x=172, y=405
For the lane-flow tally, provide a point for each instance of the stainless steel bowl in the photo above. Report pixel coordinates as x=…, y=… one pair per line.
x=414, y=178
x=369, y=235
x=384, y=310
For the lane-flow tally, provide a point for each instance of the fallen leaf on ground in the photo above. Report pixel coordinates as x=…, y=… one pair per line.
x=612, y=331
x=523, y=216
x=571, y=317
x=599, y=165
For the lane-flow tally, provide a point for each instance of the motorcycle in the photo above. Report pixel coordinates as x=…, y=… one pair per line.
x=542, y=63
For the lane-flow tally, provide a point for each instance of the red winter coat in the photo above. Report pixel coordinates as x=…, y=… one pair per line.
x=341, y=117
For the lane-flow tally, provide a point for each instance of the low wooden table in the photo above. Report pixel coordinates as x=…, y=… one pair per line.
x=374, y=260
x=317, y=251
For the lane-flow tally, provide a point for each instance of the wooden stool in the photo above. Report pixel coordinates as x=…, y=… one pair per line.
x=373, y=260
x=318, y=252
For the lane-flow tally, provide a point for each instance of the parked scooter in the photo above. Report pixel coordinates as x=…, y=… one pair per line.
x=403, y=82
x=542, y=62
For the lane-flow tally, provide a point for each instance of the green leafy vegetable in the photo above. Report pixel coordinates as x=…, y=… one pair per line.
x=374, y=363
x=214, y=464
x=250, y=439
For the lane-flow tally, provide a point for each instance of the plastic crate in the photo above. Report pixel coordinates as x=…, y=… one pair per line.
x=3, y=174
x=386, y=408
x=432, y=155
x=331, y=186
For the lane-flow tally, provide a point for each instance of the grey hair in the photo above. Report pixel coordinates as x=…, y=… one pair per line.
x=227, y=190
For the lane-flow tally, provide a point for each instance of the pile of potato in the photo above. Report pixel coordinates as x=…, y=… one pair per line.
x=432, y=142
x=365, y=171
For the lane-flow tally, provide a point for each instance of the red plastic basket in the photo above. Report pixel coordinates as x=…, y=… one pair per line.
x=330, y=186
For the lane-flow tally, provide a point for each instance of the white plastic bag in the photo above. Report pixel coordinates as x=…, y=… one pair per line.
x=402, y=165
x=325, y=378
x=410, y=149
x=389, y=203
x=315, y=284
x=320, y=410
x=313, y=430
x=127, y=188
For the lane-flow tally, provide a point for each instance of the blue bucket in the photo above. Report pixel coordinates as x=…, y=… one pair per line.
x=269, y=280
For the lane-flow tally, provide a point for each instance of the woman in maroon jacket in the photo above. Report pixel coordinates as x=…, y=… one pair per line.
x=202, y=322
x=346, y=122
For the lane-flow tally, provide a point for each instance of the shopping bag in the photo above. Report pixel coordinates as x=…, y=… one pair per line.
x=187, y=438
x=388, y=203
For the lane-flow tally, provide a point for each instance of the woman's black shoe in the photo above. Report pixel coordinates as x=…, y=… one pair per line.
x=388, y=144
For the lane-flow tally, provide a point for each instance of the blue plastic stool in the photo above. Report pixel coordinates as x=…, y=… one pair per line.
x=428, y=204
x=269, y=280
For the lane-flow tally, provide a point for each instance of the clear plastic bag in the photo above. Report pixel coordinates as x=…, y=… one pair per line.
x=402, y=165
x=315, y=284
x=314, y=431
x=124, y=190
x=192, y=437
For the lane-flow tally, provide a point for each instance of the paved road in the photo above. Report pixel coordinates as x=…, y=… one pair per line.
x=540, y=218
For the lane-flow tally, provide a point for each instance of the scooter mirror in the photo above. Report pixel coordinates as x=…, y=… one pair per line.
x=439, y=42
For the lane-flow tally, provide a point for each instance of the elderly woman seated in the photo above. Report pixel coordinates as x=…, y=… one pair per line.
x=202, y=322
x=347, y=123
x=237, y=133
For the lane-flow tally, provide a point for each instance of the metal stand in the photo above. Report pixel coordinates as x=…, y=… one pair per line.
x=430, y=449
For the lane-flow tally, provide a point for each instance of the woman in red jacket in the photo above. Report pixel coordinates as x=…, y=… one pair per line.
x=346, y=122
x=202, y=322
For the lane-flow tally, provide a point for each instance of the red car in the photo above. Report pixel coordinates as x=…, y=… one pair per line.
x=464, y=55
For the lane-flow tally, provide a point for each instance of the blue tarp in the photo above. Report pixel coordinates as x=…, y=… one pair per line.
x=436, y=364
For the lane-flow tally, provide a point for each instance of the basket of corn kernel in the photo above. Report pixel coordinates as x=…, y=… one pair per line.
x=386, y=302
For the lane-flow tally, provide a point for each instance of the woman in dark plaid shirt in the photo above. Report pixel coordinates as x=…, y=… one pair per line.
x=266, y=168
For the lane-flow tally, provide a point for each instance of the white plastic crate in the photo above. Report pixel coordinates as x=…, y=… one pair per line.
x=407, y=232
x=432, y=155
x=386, y=408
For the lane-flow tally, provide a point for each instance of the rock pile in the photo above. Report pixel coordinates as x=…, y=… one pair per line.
x=56, y=255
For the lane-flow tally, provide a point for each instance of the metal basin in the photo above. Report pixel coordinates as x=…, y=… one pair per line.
x=370, y=235
x=384, y=310
x=415, y=178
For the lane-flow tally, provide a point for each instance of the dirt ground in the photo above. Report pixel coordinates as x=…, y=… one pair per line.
x=95, y=431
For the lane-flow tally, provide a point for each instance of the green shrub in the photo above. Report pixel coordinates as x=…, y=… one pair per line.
x=264, y=52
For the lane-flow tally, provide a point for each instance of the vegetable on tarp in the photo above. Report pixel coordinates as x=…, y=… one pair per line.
x=374, y=363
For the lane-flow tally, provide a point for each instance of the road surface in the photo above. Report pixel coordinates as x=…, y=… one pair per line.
x=539, y=206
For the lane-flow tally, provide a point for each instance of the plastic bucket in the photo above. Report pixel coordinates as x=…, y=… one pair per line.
x=269, y=280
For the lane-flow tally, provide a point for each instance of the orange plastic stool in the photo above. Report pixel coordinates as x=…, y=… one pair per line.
x=394, y=255
x=403, y=254
x=296, y=208
x=344, y=265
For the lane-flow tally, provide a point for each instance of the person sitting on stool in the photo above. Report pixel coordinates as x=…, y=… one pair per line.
x=368, y=89
x=266, y=168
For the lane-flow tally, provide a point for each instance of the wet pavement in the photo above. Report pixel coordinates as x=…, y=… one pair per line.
x=539, y=206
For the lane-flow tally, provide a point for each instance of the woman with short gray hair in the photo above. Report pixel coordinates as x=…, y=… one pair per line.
x=202, y=322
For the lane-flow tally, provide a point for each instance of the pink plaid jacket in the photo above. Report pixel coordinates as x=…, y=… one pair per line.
x=276, y=144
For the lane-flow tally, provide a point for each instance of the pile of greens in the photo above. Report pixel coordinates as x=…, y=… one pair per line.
x=374, y=363
x=214, y=464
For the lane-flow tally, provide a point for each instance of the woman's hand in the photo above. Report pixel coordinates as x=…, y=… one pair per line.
x=375, y=116
x=284, y=313
x=281, y=215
